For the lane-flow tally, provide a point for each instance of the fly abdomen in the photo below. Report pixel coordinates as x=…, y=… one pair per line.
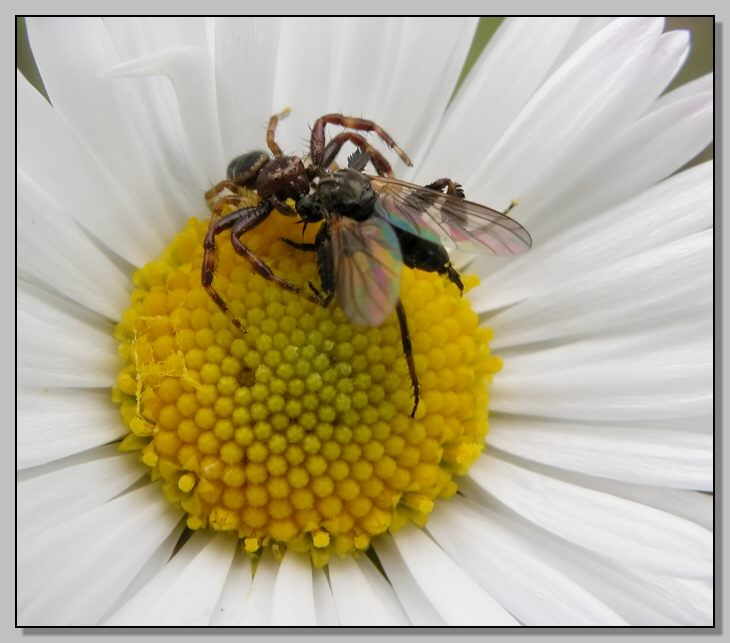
x=427, y=256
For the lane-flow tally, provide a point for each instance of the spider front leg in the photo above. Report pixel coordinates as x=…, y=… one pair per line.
x=316, y=143
x=254, y=214
x=259, y=266
x=271, y=132
x=382, y=167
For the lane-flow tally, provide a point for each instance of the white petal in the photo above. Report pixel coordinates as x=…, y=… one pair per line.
x=584, y=31
x=153, y=566
x=633, y=376
x=674, y=209
x=695, y=598
x=53, y=250
x=411, y=595
x=57, y=348
x=512, y=571
x=452, y=592
x=359, y=80
x=60, y=582
x=625, y=531
x=694, y=506
x=383, y=589
x=626, y=591
x=69, y=52
x=323, y=600
x=190, y=69
x=419, y=78
x=232, y=601
x=356, y=600
x=53, y=156
x=619, y=588
x=302, y=82
x=293, y=601
x=191, y=597
x=245, y=49
x=389, y=83
x=651, y=149
x=136, y=36
x=257, y=610
x=508, y=72
x=139, y=603
x=699, y=85
x=50, y=499
x=56, y=423
x=601, y=88
x=153, y=102
x=627, y=453
x=667, y=285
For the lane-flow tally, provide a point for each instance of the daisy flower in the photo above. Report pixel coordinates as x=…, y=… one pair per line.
x=173, y=472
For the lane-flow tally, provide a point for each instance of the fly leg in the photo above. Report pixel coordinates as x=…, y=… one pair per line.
x=452, y=188
x=408, y=352
x=455, y=189
x=305, y=247
x=325, y=265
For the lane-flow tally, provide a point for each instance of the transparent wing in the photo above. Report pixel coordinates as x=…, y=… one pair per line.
x=449, y=220
x=368, y=267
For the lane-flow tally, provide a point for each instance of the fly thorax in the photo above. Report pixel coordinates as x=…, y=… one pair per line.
x=348, y=193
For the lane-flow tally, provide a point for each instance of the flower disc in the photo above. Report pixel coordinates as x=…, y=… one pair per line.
x=297, y=433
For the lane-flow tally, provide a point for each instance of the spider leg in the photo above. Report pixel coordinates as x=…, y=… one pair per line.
x=271, y=131
x=381, y=165
x=408, y=352
x=243, y=226
x=316, y=144
x=283, y=207
x=210, y=255
x=218, y=188
x=230, y=199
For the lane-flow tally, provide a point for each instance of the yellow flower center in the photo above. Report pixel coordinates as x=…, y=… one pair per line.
x=297, y=433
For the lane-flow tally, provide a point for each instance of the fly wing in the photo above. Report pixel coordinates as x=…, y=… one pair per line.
x=449, y=220
x=368, y=267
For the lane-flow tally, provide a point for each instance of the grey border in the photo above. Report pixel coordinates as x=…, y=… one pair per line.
x=424, y=7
